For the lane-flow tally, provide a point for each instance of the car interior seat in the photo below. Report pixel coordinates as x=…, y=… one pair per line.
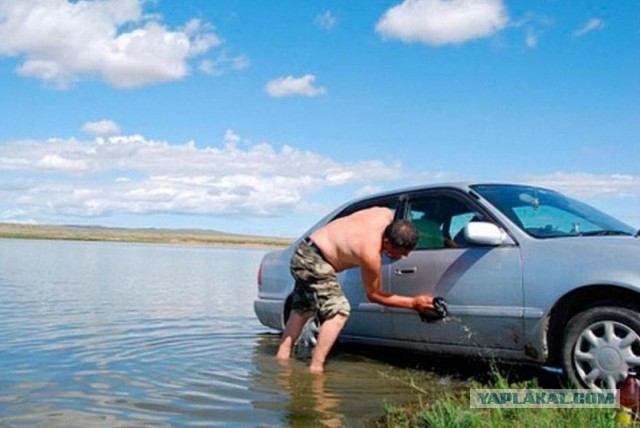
x=430, y=235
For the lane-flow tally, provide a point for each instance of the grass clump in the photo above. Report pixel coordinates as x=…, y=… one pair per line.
x=452, y=410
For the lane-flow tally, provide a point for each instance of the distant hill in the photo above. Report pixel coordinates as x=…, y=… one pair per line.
x=151, y=235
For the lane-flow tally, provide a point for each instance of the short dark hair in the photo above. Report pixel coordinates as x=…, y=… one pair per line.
x=401, y=234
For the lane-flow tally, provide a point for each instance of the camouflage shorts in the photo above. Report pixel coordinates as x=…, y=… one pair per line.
x=317, y=288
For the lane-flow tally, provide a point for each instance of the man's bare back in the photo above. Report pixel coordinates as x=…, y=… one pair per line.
x=353, y=240
x=357, y=240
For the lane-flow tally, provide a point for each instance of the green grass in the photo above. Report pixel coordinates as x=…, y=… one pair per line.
x=452, y=410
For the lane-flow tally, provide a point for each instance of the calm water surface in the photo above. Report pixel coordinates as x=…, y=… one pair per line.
x=109, y=334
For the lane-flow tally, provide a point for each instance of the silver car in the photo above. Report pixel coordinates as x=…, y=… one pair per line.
x=529, y=276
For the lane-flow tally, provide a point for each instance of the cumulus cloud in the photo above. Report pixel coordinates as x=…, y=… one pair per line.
x=62, y=41
x=593, y=25
x=132, y=174
x=101, y=128
x=288, y=86
x=440, y=22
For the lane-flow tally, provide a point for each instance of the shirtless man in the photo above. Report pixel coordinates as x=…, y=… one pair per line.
x=357, y=240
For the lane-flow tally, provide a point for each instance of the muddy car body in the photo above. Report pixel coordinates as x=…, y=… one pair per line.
x=529, y=275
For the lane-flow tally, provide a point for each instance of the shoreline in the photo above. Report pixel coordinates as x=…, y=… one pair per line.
x=152, y=235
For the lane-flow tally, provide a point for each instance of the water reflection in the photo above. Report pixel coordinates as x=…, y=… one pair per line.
x=103, y=335
x=303, y=399
x=311, y=401
x=351, y=392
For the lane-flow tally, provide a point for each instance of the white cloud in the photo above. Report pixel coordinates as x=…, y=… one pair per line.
x=287, y=86
x=592, y=25
x=531, y=39
x=101, y=128
x=535, y=26
x=584, y=185
x=439, y=22
x=366, y=191
x=55, y=162
x=218, y=66
x=326, y=20
x=60, y=42
x=132, y=174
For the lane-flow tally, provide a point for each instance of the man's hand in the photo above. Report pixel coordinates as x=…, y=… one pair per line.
x=422, y=303
x=430, y=308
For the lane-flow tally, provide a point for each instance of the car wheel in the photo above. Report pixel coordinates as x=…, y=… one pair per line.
x=600, y=345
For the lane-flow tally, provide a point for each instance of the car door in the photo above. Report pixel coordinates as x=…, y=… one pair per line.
x=367, y=319
x=481, y=285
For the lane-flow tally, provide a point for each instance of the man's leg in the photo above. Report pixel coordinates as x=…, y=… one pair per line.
x=290, y=334
x=329, y=332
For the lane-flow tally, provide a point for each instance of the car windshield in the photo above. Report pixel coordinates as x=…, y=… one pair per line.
x=544, y=213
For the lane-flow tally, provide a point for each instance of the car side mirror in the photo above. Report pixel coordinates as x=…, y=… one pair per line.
x=483, y=233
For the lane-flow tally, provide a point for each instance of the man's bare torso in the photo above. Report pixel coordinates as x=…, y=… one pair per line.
x=353, y=240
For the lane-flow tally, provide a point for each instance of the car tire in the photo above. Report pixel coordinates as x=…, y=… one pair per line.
x=600, y=345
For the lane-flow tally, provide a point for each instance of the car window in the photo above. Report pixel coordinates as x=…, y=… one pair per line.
x=440, y=220
x=544, y=213
x=550, y=221
x=458, y=222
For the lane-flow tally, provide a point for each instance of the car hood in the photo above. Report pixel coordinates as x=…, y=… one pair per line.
x=609, y=259
x=619, y=242
x=599, y=246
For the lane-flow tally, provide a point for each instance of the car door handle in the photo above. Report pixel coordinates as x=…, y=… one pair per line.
x=406, y=271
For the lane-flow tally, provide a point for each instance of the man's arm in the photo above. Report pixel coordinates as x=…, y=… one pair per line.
x=372, y=284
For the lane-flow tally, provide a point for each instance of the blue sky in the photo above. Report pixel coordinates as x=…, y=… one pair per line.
x=260, y=117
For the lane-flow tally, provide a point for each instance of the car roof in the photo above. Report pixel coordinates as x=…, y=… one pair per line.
x=459, y=185
x=463, y=186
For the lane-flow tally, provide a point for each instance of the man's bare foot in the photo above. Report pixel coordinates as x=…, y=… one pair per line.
x=316, y=369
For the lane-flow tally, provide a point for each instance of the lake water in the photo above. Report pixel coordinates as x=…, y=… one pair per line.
x=96, y=334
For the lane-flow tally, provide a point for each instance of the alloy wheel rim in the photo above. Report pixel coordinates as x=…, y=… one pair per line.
x=309, y=334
